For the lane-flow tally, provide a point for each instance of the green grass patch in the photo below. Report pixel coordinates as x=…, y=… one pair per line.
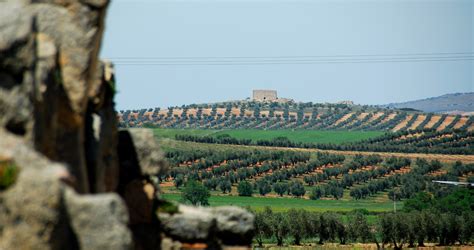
x=284, y=204
x=312, y=136
x=171, y=133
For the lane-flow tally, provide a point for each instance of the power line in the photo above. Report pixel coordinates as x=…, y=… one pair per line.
x=289, y=57
x=290, y=60
x=286, y=62
x=269, y=60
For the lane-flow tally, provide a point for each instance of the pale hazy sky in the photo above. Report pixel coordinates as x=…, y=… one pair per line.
x=276, y=28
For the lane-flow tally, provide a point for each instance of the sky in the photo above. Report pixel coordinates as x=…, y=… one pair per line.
x=161, y=50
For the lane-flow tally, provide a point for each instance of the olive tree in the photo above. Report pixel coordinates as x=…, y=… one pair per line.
x=195, y=193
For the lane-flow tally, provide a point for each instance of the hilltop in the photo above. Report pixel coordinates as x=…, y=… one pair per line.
x=449, y=103
x=306, y=116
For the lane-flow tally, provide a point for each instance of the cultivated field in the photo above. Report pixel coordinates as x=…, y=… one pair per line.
x=313, y=136
x=302, y=116
x=284, y=204
x=333, y=178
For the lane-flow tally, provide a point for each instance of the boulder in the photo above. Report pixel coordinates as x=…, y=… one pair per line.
x=235, y=226
x=213, y=226
x=40, y=210
x=99, y=221
x=33, y=212
x=190, y=224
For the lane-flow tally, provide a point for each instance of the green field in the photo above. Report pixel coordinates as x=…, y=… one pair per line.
x=283, y=204
x=313, y=136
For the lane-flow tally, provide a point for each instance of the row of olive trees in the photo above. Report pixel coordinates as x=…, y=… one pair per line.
x=450, y=141
x=395, y=229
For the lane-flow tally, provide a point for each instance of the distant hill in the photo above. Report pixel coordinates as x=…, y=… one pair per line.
x=303, y=116
x=449, y=103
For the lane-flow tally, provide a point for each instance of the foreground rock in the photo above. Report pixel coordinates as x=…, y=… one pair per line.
x=39, y=211
x=99, y=221
x=211, y=226
x=48, y=70
x=75, y=181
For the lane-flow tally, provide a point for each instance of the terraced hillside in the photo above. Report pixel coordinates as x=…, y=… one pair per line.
x=254, y=115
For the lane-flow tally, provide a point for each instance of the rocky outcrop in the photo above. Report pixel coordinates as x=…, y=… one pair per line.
x=41, y=211
x=49, y=75
x=74, y=180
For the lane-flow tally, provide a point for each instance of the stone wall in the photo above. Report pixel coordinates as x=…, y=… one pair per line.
x=79, y=182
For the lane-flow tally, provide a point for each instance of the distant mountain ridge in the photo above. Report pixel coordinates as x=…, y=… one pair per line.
x=449, y=103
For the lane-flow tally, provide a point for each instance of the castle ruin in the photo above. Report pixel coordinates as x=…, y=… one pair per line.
x=264, y=95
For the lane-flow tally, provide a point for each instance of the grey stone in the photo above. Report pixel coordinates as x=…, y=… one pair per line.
x=15, y=24
x=139, y=156
x=226, y=225
x=99, y=221
x=47, y=68
x=148, y=151
x=235, y=226
x=191, y=224
x=32, y=210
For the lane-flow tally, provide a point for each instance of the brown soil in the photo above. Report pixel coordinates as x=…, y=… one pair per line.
x=163, y=112
x=471, y=128
x=403, y=137
x=375, y=116
x=434, y=119
x=264, y=112
x=403, y=123
x=448, y=120
x=388, y=118
x=418, y=121
x=440, y=157
x=235, y=111
x=360, y=117
x=167, y=184
x=438, y=173
x=192, y=112
x=345, y=117
x=177, y=112
x=461, y=122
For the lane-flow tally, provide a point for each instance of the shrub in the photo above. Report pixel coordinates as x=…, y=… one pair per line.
x=316, y=193
x=245, y=188
x=297, y=189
